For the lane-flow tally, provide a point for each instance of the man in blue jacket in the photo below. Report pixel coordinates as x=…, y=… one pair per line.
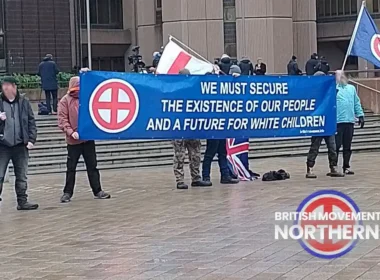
x=348, y=108
x=48, y=71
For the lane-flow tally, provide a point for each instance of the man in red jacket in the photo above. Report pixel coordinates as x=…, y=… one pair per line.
x=68, y=123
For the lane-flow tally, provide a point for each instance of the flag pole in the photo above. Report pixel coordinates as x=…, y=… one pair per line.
x=354, y=35
x=175, y=40
x=89, y=54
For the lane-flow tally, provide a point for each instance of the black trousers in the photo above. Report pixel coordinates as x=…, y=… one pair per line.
x=87, y=150
x=314, y=150
x=345, y=133
x=20, y=156
x=51, y=95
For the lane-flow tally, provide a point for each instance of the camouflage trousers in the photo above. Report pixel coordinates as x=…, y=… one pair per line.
x=193, y=148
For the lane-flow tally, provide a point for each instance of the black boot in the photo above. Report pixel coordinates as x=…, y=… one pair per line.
x=334, y=173
x=229, y=181
x=207, y=181
x=27, y=206
x=201, y=183
x=182, y=186
x=310, y=174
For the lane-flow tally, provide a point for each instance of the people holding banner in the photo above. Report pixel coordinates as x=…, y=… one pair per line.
x=193, y=146
x=68, y=123
x=316, y=142
x=219, y=146
x=348, y=107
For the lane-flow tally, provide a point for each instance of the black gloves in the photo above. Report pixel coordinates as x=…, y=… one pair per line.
x=361, y=122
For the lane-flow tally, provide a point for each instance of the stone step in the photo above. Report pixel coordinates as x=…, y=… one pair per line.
x=145, y=152
x=169, y=161
x=51, y=122
x=60, y=145
x=135, y=157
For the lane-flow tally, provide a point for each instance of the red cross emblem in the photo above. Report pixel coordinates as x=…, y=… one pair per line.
x=114, y=105
x=325, y=202
x=375, y=46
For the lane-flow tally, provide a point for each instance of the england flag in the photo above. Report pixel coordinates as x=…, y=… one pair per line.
x=174, y=58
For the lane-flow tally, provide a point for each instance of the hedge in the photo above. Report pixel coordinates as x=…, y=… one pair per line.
x=26, y=81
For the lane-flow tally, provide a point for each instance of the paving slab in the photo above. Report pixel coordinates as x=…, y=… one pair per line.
x=150, y=230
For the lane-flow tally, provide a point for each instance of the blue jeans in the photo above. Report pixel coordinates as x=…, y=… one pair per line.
x=215, y=146
x=20, y=156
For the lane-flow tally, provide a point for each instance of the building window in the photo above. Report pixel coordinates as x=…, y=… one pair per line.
x=229, y=27
x=103, y=14
x=376, y=6
x=115, y=64
x=158, y=4
x=159, y=12
x=336, y=8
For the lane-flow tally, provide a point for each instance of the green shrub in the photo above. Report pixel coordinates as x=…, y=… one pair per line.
x=26, y=81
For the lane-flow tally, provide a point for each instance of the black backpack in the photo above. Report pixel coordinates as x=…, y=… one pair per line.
x=276, y=175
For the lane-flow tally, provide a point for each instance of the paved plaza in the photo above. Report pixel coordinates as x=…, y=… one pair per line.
x=150, y=230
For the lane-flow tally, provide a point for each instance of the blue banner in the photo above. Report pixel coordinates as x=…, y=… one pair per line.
x=136, y=106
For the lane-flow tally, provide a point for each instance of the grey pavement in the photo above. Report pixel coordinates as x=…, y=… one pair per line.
x=150, y=230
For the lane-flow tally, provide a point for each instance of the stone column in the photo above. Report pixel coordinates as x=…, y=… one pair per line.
x=304, y=30
x=267, y=32
x=149, y=33
x=197, y=23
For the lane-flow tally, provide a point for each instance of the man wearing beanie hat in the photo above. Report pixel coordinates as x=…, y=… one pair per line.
x=314, y=150
x=18, y=135
x=68, y=123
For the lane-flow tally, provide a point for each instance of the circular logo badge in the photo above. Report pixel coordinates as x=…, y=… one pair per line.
x=114, y=105
x=375, y=46
x=328, y=203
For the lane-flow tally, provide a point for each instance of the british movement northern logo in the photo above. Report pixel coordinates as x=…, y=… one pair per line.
x=327, y=224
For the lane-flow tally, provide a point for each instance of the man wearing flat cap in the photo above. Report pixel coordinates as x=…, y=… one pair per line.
x=18, y=133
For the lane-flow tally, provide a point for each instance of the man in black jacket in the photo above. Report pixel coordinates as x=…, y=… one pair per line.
x=246, y=67
x=18, y=137
x=225, y=64
x=323, y=65
x=311, y=65
x=293, y=69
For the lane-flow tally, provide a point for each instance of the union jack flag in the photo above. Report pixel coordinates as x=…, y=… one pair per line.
x=237, y=156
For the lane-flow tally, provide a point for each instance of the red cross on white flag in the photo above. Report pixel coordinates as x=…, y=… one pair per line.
x=174, y=59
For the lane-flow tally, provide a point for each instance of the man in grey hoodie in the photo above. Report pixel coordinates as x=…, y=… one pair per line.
x=19, y=133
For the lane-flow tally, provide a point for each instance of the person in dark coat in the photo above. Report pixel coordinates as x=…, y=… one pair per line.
x=260, y=67
x=311, y=65
x=48, y=71
x=293, y=69
x=246, y=66
x=225, y=64
x=323, y=65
